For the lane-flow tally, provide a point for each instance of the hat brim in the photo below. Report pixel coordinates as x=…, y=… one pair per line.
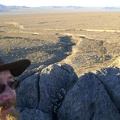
x=16, y=68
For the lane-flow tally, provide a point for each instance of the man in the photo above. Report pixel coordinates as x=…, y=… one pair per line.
x=8, y=84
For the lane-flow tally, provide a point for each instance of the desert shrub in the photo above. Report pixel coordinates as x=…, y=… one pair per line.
x=104, y=57
x=103, y=50
x=100, y=43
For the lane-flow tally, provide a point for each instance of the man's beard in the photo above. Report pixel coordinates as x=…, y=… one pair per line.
x=13, y=114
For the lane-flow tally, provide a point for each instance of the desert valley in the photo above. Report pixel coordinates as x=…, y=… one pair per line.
x=86, y=40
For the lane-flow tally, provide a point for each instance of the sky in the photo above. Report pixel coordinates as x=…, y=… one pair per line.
x=83, y=3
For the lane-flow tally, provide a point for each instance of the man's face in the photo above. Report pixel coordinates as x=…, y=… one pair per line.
x=8, y=96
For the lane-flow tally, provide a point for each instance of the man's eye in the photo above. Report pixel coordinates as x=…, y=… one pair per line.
x=13, y=84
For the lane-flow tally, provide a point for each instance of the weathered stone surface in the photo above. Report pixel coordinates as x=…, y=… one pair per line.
x=34, y=114
x=27, y=92
x=54, y=79
x=88, y=100
x=110, y=78
x=44, y=90
x=56, y=93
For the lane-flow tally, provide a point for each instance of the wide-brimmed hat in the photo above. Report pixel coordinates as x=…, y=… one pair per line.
x=16, y=68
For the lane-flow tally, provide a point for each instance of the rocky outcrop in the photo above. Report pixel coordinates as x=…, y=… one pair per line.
x=89, y=99
x=42, y=91
x=56, y=93
x=110, y=78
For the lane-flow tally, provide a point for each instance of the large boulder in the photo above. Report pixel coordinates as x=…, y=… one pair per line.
x=42, y=91
x=110, y=78
x=55, y=81
x=95, y=96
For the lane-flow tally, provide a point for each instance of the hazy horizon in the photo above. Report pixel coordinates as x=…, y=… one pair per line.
x=85, y=3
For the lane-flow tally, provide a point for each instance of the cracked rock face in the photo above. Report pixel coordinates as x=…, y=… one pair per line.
x=95, y=96
x=56, y=93
x=44, y=90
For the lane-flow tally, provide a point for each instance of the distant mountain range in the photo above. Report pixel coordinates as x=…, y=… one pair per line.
x=112, y=8
x=4, y=8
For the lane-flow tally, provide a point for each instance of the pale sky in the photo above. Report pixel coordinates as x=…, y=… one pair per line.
x=84, y=3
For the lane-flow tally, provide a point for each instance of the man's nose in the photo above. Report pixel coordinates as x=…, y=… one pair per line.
x=8, y=94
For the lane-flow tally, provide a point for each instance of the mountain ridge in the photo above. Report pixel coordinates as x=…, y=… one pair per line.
x=5, y=8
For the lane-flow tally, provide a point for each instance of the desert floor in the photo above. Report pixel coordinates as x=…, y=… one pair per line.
x=85, y=40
